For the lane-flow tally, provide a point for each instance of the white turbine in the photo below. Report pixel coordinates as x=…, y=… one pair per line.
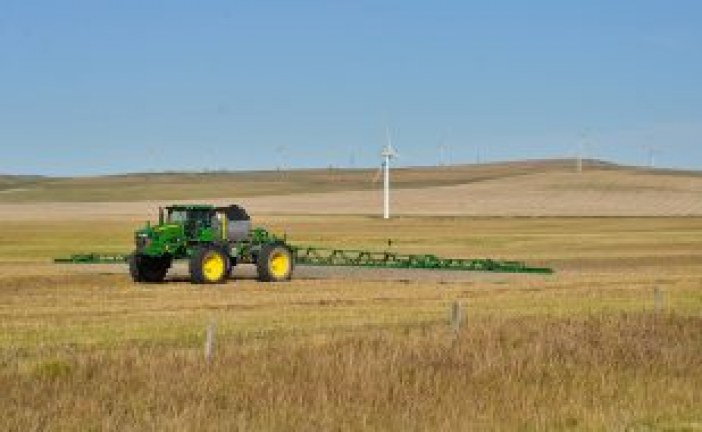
x=442, y=152
x=280, y=153
x=652, y=152
x=443, y=148
x=387, y=154
x=584, y=148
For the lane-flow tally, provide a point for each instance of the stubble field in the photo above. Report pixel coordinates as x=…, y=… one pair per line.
x=591, y=347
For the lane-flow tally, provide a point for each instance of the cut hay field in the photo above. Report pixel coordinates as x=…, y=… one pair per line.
x=589, y=348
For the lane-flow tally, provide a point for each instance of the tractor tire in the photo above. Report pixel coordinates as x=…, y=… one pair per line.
x=209, y=265
x=230, y=268
x=275, y=263
x=148, y=269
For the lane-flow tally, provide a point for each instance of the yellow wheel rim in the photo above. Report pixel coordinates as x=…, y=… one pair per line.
x=279, y=264
x=213, y=266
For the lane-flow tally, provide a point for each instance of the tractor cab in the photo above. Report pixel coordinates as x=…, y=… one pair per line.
x=230, y=223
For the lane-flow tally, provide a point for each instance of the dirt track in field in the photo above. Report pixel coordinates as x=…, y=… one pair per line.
x=595, y=193
x=179, y=273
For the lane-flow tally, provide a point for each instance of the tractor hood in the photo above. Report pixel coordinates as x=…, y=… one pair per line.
x=155, y=240
x=157, y=231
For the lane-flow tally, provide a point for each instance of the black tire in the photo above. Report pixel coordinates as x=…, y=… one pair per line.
x=230, y=268
x=275, y=263
x=209, y=265
x=134, y=268
x=148, y=269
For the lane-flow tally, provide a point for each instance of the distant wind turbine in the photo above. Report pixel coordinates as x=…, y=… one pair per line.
x=652, y=152
x=443, y=148
x=352, y=158
x=583, y=149
x=388, y=154
x=280, y=152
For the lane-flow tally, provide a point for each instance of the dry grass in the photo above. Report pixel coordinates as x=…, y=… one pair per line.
x=614, y=372
x=583, y=349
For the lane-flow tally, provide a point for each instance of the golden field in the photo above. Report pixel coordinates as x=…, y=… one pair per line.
x=589, y=348
x=611, y=341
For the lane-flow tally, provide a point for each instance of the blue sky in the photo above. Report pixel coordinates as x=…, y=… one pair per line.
x=91, y=86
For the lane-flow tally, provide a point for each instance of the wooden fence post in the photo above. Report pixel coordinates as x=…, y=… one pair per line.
x=209, y=341
x=657, y=299
x=456, y=317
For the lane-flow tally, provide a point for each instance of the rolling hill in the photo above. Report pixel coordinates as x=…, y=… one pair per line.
x=528, y=188
x=188, y=186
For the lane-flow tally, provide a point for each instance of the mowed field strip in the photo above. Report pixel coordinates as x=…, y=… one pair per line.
x=601, y=264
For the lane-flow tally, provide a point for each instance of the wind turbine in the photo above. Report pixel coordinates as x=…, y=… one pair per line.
x=442, y=152
x=352, y=158
x=652, y=152
x=443, y=148
x=583, y=149
x=281, y=153
x=388, y=154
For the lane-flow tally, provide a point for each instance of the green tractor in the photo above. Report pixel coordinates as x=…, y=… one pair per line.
x=213, y=240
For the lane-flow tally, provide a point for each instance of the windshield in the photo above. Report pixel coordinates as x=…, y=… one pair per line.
x=191, y=218
x=177, y=216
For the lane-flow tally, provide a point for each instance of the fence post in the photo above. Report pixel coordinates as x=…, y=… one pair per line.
x=657, y=299
x=209, y=341
x=456, y=317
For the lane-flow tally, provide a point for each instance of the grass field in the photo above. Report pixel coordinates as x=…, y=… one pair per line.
x=587, y=348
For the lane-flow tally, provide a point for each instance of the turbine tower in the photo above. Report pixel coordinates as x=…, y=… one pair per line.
x=442, y=153
x=652, y=152
x=443, y=148
x=387, y=154
x=583, y=151
x=280, y=152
